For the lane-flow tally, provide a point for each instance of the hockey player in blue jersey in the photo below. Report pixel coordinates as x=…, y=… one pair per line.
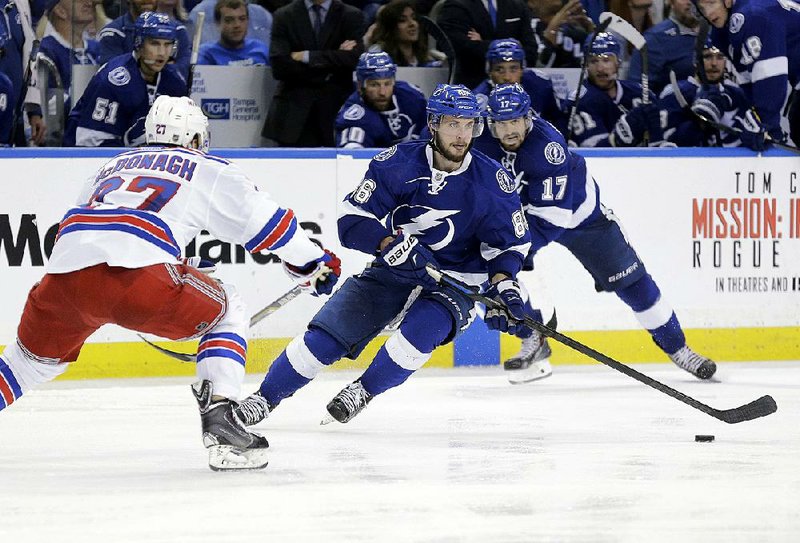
x=610, y=112
x=505, y=63
x=383, y=111
x=7, y=100
x=119, y=36
x=424, y=202
x=562, y=204
x=719, y=101
x=762, y=40
x=113, y=107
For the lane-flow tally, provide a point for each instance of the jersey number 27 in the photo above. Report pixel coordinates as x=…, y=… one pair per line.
x=156, y=192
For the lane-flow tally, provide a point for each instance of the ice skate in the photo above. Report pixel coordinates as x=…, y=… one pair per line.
x=531, y=362
x=253, y=409
x=348, y=403
x=699, y=366
x=230, y=446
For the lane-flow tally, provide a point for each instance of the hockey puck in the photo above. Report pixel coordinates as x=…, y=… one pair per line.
x=704, y=438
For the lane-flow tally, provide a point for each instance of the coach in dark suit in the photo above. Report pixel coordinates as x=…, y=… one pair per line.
x=314, y=50
x=472, y=24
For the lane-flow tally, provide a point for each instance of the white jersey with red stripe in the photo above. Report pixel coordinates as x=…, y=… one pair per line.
x=143, y=206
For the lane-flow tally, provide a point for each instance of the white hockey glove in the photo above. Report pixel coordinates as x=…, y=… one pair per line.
x=318, y=276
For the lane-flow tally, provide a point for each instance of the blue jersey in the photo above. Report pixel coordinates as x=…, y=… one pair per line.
x=358, y=125
x=684, y=130
x=54, y=47
x=113, y=107
x=11, y=63
x=598, y=113
x=762, y=39
x=251, y=53
x=539, y=88
x=670, y=46
x=8, y=97
x=470, y=218
x=554, y=187
x=116, y=38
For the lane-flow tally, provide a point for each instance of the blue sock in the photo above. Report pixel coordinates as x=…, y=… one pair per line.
x=9, y=387
x=641, y=296
x=383, y=373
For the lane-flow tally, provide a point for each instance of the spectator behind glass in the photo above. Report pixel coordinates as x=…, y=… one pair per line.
x=64, y=44
x=173, y=8
x=314, y=70
x=233, y=47
x=398, y=33
x=259, y=22
x=471, y=25
x=636, y=12
x=560, y=29
x=117, y=37
x=670, y=46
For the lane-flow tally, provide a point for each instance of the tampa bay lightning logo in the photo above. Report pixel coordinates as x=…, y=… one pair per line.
x=354, y=112
x=736, y=23
x=119, y=76
x=554, y=153
x=506, y=183
x=432, y=226
x=386, y=154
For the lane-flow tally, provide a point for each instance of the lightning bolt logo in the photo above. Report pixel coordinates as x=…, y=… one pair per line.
x=431, y=219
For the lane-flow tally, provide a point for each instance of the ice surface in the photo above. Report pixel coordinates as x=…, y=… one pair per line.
x=456, y=455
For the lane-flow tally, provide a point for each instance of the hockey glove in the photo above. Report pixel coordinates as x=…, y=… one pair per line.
x=754, y=135
x=318, y=276
x=200, y=264
x=509, y=317
x=711, y=103
x=630, y=128
x=406, y=258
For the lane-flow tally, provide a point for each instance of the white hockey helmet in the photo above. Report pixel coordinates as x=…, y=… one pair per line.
x=177, y=120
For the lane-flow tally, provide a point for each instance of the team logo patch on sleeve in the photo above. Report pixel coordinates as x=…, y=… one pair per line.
x=119, y=76
x=506, y=183
x=385, y=154
x=736, y=23
x=354, y=113
x=554, y=153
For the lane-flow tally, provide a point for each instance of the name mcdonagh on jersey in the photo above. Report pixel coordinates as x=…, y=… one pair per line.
x=165, y=162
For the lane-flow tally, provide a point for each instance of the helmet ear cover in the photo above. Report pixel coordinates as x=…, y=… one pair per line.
x=177, y=121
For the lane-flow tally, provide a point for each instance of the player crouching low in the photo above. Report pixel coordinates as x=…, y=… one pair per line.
x=570, y=213
x=117, y=260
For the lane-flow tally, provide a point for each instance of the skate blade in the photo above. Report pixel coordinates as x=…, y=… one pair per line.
x=534, y=372
x=327, y=419
x=230, y=458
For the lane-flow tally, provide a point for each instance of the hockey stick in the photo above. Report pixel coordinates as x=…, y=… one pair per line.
x=255, y=319
x=758, y=408
x=198, y=31
x=622, y=27
x=26, y=81
x=684, y=103
x=699, y=45
x=584, y=68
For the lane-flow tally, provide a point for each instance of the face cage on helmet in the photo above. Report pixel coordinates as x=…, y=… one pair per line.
x=493, y=129
x=435, y=118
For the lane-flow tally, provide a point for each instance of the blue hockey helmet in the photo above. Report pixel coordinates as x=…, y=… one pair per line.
x=457, y=101
x=508, y=102
x=154, y=25
x=505, y=50
x=605, y=43
x=375, y=65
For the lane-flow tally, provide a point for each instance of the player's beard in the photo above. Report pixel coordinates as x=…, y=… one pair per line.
x=448, y=152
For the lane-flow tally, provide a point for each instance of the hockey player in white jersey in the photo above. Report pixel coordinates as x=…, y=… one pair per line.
x=118, y=259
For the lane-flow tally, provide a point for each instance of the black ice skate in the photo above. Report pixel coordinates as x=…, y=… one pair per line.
x=699, y=366
x=230, y=445
x=253, y=409
x=348, y=403
x=531, y=362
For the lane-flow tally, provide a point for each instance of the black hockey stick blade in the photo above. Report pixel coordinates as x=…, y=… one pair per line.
x=759, y=408
x=282, y=300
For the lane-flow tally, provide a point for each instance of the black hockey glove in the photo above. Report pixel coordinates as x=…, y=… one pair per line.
x=509, y=318
x=406, y=258
x=318, y=276
x=630, y=128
